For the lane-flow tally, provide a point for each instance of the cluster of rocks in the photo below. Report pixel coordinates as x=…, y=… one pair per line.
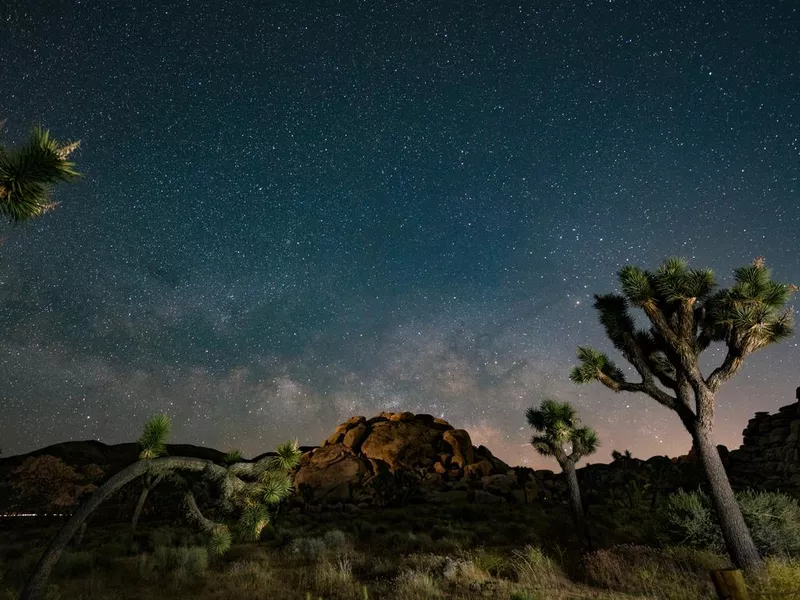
x=769, y=456
x=399, y=454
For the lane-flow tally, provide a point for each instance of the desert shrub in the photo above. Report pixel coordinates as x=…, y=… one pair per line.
x=781, y=581
x=161, y=537
x=74, y=563
x=524, y=596
x=334, y=578
x=773, y=519
x=463, y=571
x=186, y=560
x=307, y=550
x=671, y=573
x=248, y=577
x=493, y=563
x=533, y=567
x=335, y=540
x=416, y=585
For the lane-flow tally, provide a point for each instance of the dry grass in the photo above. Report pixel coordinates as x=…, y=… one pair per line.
x=337, y=565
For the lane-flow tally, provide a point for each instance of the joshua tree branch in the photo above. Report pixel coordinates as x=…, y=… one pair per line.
x=196, y=514
x=729, y=367
x=34, y=588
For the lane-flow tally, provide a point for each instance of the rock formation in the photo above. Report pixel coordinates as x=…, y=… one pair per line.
x=769, y=456
x=394, y=455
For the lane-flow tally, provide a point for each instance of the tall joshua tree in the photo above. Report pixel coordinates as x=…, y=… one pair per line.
x=560, y=434
x=27, y=175
x=246, y=490
x=687, y=314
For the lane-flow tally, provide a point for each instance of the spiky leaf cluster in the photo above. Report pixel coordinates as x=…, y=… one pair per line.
x=557, y=425
x=686, y=315
x=154, y=437
x=251, y=490
x=28, y=174
x=248, y=490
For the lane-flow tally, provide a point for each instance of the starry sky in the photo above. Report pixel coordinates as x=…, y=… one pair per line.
x=293, y=212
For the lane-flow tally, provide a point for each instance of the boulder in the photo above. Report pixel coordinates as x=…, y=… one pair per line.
x=461, y=444
x=354, y=437
x=479, y=469
x=400, y=444
x=330, y=474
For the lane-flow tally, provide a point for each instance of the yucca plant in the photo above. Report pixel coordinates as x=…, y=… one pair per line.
x=28, y=173
x=687, y=314
x=560, y=434
x=248, y=490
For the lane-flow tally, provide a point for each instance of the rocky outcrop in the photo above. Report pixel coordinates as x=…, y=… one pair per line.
x=769, y=457
x=397, y=455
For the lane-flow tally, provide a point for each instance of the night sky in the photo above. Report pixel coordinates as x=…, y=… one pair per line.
x=294, y=212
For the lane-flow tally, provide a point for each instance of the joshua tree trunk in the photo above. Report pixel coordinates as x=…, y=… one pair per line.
x=737, y=536
x=149, y=484
x=576, y=502
x=35, y=586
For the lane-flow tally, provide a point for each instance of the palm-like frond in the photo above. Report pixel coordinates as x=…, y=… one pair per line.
x=543, y=445
x=275, y=487
x=220, y=540
x=233, y=456
x=672, y=279
x=585, y=440
x=252, y=522
x=636, y=285
x=593, y=365
x=154, y=437
x=28, y=174
x=614, y=317
x=286, y=457
x=556, y=424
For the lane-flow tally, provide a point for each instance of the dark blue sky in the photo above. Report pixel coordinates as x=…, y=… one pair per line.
x=300, y=211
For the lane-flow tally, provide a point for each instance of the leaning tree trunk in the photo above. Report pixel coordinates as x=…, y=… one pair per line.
x=738, y=541
x=148, y=486
x=576, y=502
x=35, y=586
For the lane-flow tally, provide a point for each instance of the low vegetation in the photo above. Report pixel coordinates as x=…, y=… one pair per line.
x=416, y=552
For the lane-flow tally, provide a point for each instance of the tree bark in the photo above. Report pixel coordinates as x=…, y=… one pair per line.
x=738, y=541
x=35, y=586
x=576, y=503
x=149, y=484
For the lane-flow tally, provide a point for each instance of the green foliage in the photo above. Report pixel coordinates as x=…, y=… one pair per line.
x=557, y=424
x=335, y=540
x=220, y=540
x=772, y=518
x=670, y=573
x=595, y=365
x=27, y=175
x=307, y=550
x=233, y=456
x=252, y=522
x=534, y=567
x=184, y=560
x=746, y=317
x=154, y=437
x=287, y=457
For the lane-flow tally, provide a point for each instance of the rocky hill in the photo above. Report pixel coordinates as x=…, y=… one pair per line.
x=400, y=457
x=394, y=456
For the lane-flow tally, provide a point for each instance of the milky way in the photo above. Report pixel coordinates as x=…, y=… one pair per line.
x=293, y=212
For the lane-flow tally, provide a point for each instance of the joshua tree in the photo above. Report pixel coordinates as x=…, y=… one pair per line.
x=686, y=316
x=247, y=489
x=152, y=444
x=560, y=434
x=27, y=175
